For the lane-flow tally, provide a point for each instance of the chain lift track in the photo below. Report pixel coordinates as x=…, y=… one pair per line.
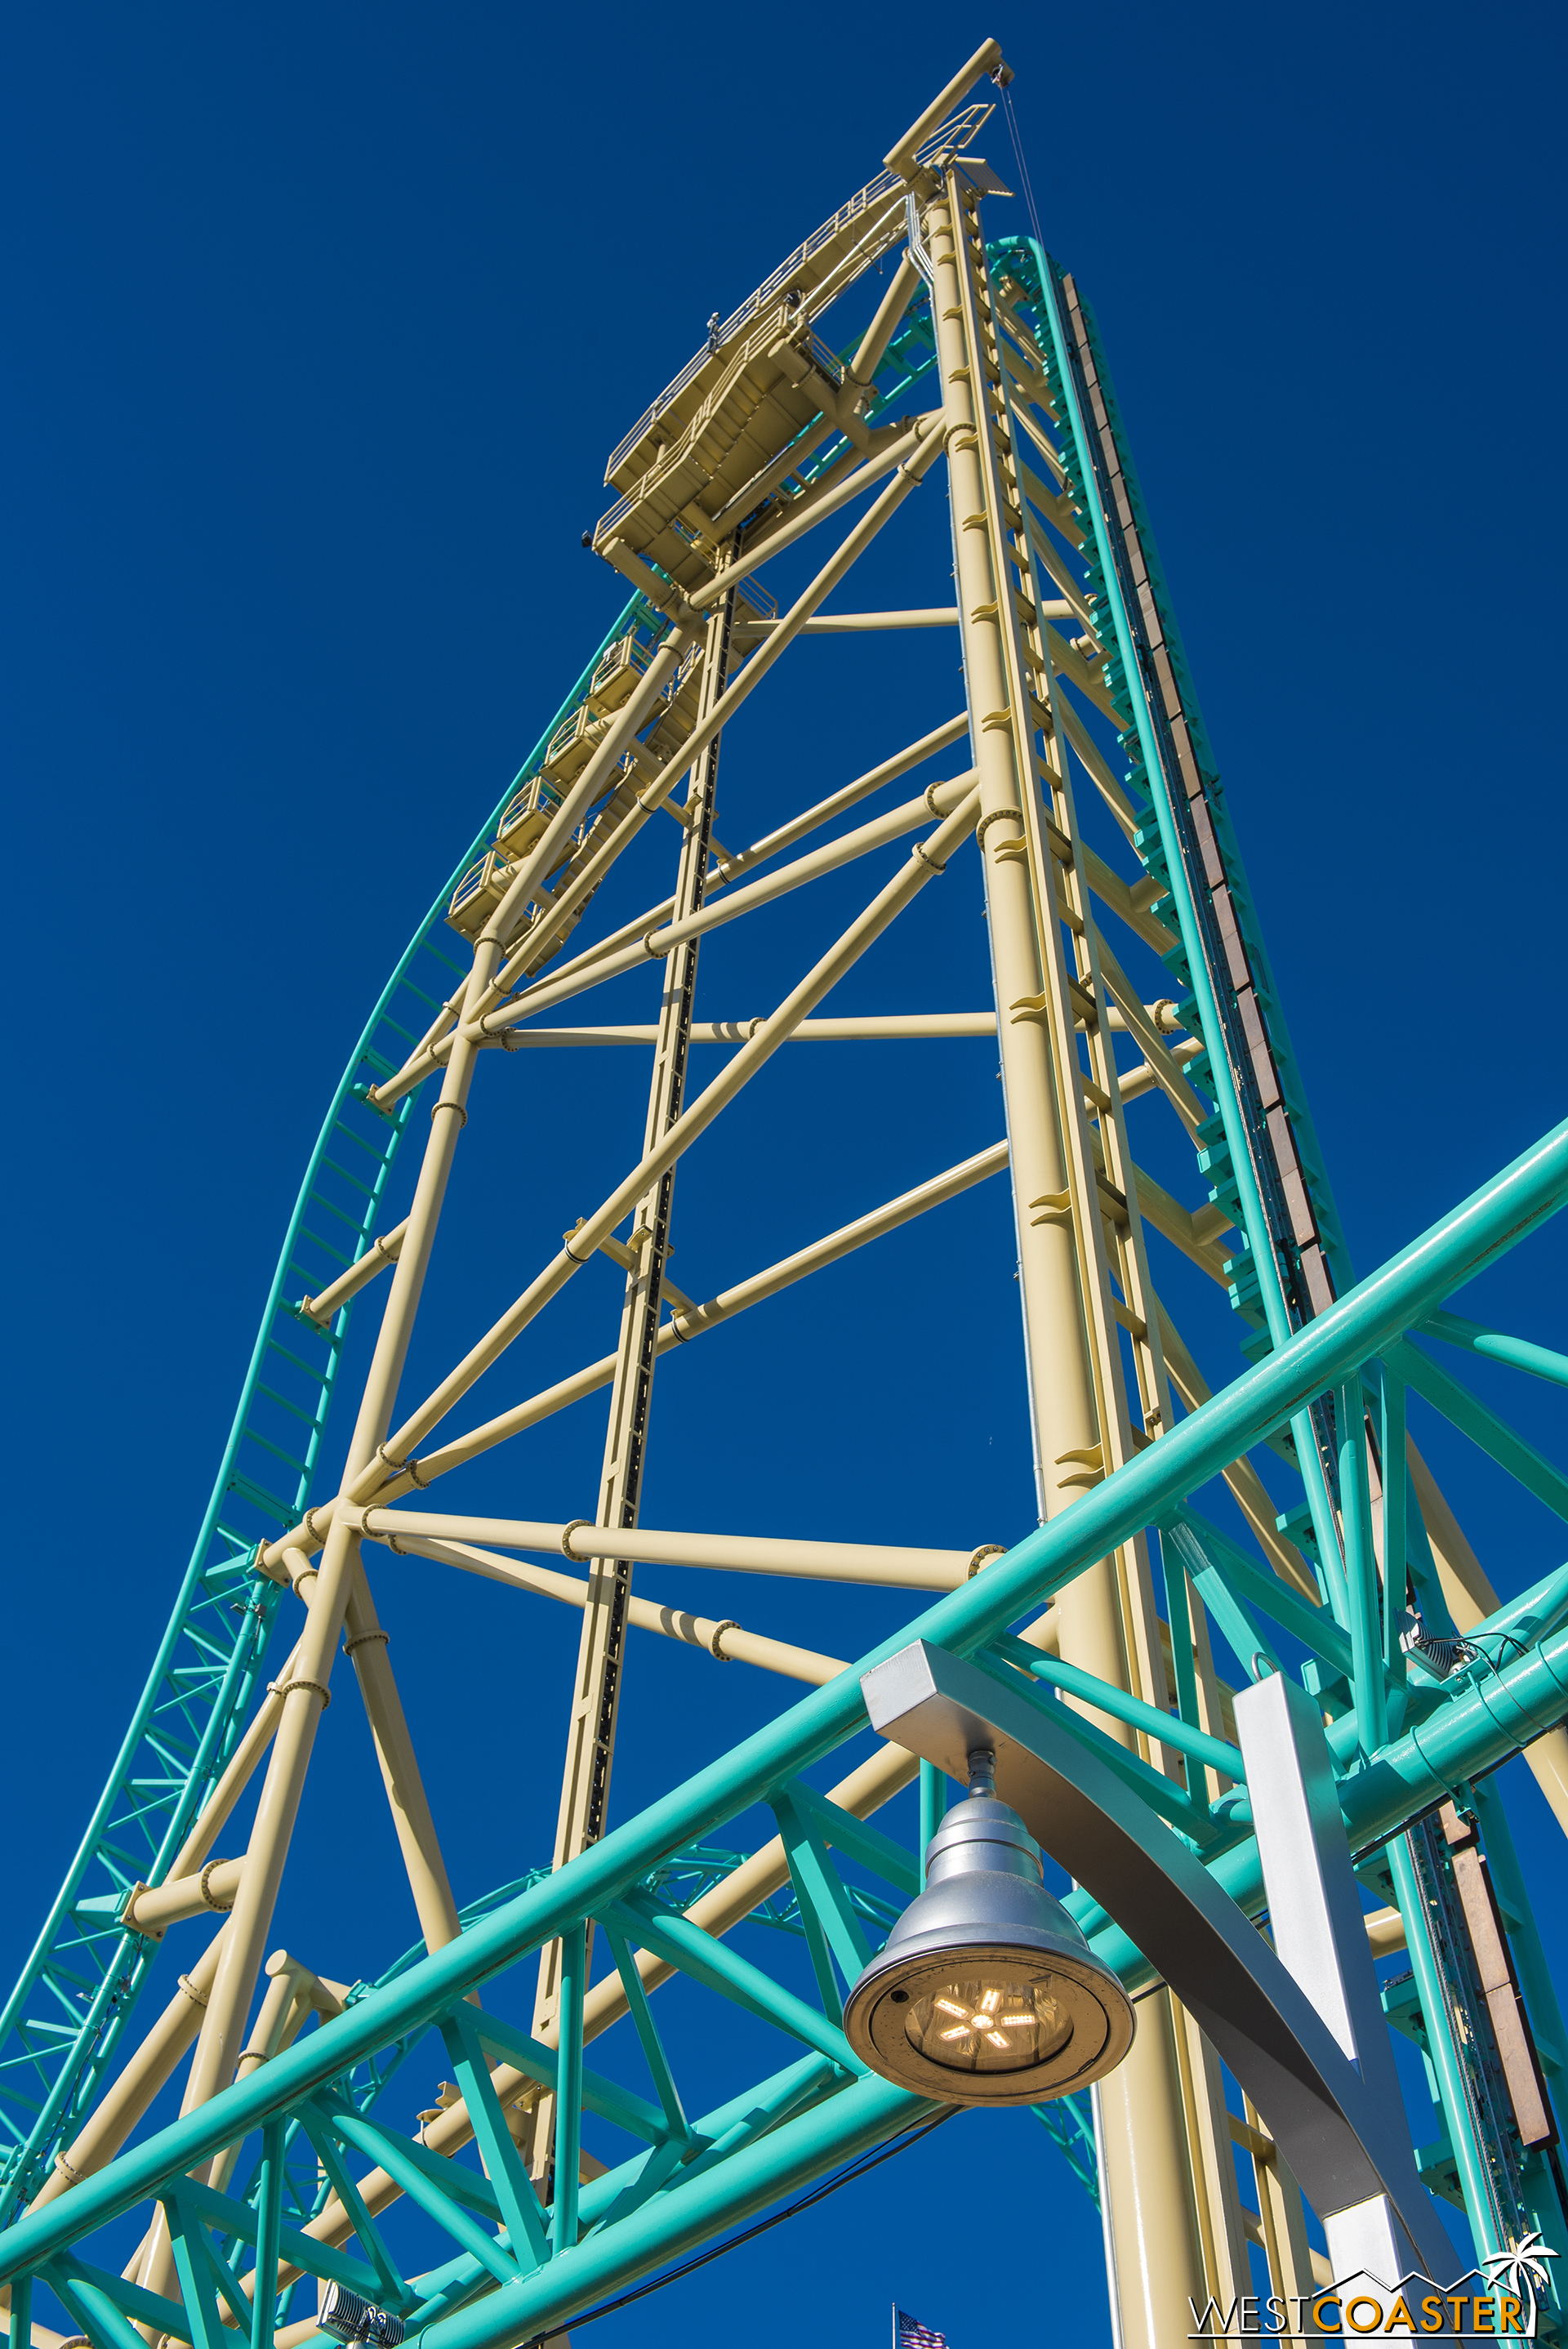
x=290, y=2168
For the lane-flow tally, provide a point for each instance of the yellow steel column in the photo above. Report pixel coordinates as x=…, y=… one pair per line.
x=305, y=1694
x=1060, y=1387
x=1156, y=2207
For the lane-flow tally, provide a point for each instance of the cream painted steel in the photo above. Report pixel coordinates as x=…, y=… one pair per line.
x=827, y=624
x=147, y=2071
x=531, y=874
x=940, y=800
x=306, y=1691
x=726, y=869
x=377, y=1257
x=874, y=1026
x=729, y=1903
x=483, y=991
x=1247, y=1486
x=811, y=511
x=910, y=458
x=928, y=858
x=679, y=1329
x=179, y=1897
x=682, y=1327
x=903, y=159
x=241, y=1769
x=1100, y=1351
x=366, y=1643
x=1164, y=2128
x=724, y=1640
x=295, y=1995
x=901, y=1570
x=1167, y=2164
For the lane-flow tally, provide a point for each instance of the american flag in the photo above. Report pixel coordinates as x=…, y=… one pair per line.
x=909, y=2332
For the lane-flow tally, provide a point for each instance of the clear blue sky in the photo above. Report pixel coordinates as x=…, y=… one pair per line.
x=322, y=324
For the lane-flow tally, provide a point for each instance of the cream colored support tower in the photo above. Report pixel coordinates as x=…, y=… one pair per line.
x=339, y=1587
x=591, y=1729
x=1174, y=2215
x=1096, y=1337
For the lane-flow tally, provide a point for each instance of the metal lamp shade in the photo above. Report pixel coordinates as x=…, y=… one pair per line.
x=987, y=1993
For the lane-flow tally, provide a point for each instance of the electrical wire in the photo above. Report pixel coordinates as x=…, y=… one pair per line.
x=1008, y=110
x=845, y=2176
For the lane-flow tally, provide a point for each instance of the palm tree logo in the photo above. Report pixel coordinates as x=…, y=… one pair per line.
x=1520, y=2271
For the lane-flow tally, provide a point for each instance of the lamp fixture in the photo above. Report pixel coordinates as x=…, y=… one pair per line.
x=986, y=1992
x=348, y=2318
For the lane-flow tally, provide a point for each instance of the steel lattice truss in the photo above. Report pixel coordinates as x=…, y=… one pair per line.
x=276, y=2178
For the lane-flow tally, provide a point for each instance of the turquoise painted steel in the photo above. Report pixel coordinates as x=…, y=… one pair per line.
x=1411, y=1905
x=64, y=2022
x=1520, y=1353
x=1245, y=1149
x=635, y=2227
x=1485, y=1428
x=1212, y=1751
x=1408, y=1741
x=1264, y=1136
x=66, y=2018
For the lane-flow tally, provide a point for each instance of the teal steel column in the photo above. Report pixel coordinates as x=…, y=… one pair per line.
x=1474, y=2184
x=269, y=2221
x=1220, y=1081
x=1209, y=1020
x=1361, y=1568
x=1484, y=1720
x=933, y=1807
x=1396, y=1514
x=689, y=2214
x=569, y=2087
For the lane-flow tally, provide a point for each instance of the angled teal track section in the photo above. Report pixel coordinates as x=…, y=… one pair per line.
x=64, y=2019
x=688, y=2176
x=1260, y=1150
x=684, y=2178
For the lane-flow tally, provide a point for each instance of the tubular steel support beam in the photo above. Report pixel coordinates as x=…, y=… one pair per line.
x=723, y=1641
x=986, y=59
x=904, y=1569
x=941, y=799
x=1085, y=1652
x=1475, y=1729
x=685, y=1325
x=929, y=857
x=1345, y=2139
x=594, y=1710
x=726, y=869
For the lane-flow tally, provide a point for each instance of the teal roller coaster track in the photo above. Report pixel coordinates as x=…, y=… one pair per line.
x=1421, y=1708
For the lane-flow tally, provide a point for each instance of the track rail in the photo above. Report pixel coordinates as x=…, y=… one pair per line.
x=690, y=2179
x=66, y=2017
x=661, y=1896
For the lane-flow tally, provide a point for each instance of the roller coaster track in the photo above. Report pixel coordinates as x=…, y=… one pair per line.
x=1428, y=1681
x=65, y=2019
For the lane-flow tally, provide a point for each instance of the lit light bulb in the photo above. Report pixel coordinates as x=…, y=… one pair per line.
x=942, y=2010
